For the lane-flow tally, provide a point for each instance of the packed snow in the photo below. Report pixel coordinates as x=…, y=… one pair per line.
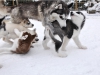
x=46, y=62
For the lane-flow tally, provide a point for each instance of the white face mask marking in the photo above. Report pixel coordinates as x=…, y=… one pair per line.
x=55, y=16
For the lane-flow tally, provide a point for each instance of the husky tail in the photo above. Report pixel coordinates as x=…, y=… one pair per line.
x=57, y=42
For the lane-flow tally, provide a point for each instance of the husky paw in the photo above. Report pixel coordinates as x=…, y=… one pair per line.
x=83, y=47
x=62, y=53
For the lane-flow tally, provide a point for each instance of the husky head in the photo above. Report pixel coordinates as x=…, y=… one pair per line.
x=27, y=24
x=78, y=18
x=60, y=13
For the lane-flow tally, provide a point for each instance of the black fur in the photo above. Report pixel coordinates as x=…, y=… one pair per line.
x=44, y=38
x=1, y=19
x=68, y=30
x=61, y=32
x=3, y=26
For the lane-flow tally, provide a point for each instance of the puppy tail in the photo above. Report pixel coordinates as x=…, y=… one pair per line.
x=58, y=43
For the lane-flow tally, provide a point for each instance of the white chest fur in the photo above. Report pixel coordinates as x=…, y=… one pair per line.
x=76, y=33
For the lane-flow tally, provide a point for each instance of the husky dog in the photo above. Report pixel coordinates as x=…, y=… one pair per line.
x=71, y=30
x=34, y=10
x=26, y=10
x=21, y=45
x=9, y=27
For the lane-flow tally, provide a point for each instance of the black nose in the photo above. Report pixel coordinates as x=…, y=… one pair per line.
x=71, y=13
x=36, y=39
x=32, y=25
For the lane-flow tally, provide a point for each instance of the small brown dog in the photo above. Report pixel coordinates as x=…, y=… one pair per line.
x=22, y=44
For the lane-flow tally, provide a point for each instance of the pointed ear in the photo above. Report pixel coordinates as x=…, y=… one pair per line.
x=60, y=6
x=70, y=4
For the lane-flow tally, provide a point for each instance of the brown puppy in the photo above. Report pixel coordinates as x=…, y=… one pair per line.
x=24, y=45
x=21, y=45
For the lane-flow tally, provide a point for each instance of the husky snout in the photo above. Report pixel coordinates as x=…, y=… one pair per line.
x=32, y=25
x=71, y=13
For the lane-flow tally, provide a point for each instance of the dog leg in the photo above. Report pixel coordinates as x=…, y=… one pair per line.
x=7, y=40
x=78, y=43
x=45, y=41
x=17, y=32
x=46, y=38
x=62, y=51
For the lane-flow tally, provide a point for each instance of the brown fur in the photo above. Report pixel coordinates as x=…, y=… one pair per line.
x=24, y=45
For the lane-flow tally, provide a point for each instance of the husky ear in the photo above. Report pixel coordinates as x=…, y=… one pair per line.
x=70, y=4
x=60, y=6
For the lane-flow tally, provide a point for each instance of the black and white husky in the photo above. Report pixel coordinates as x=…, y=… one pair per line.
x=65, y=32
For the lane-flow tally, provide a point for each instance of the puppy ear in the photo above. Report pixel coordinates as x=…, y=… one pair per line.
x=70, y=4
x=60, y=6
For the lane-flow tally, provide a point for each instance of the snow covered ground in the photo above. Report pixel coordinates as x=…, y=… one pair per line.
x=45, y=62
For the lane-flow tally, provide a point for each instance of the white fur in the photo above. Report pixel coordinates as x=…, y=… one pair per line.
x=10, y=28
x=58, y=38
x=15, y=42
x=62, y=50
x=78, y=43
x=55, y=16
x=77, y=19
x=44, y=43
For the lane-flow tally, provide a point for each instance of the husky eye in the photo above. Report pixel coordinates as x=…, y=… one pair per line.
x=61, y=17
